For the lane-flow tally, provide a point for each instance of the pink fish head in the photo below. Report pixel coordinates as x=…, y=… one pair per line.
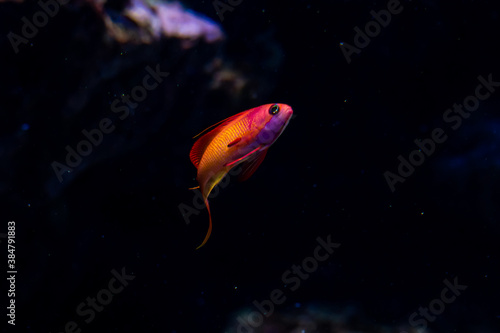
x=273, y=119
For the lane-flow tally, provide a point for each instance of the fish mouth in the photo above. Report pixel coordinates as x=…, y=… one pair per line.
x=288, y=115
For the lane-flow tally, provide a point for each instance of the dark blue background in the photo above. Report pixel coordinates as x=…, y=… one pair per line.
x=324, y=176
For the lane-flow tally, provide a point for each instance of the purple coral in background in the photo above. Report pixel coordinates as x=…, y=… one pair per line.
x=168, y=19
x=179, y=22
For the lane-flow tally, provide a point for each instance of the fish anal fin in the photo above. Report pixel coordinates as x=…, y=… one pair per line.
x=250, y=166
x=202, y=143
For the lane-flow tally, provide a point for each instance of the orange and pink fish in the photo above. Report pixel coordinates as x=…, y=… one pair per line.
x=242, y=139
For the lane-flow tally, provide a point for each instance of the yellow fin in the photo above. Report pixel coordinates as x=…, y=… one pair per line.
x=209, y=225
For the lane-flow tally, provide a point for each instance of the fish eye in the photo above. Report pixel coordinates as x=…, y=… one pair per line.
x=274, y=109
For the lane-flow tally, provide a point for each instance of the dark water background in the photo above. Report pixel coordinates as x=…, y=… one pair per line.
x=324, y=176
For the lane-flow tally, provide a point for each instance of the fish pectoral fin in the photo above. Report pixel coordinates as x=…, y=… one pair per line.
x=232, y=143
x=242, y=158
x=251, y=165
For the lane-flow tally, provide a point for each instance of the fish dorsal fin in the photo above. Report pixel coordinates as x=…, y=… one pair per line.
x=250, y=166
x=202, y=143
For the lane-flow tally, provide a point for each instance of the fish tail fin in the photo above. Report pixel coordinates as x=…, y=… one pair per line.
x=209, y=225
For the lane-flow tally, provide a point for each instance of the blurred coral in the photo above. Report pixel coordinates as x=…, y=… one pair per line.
x=317, y=319
x=150, y=20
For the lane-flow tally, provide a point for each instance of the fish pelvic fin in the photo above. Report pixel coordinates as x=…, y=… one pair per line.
x=209, y=225
x=251, y=165
x=193, y=188
x=231, y=164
